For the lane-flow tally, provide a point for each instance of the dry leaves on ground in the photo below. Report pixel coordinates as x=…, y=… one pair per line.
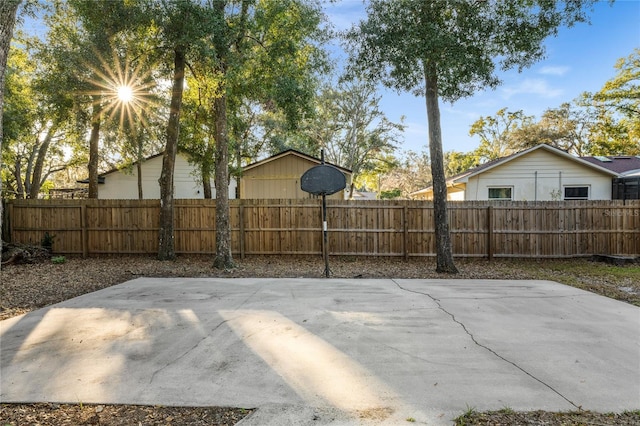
x=117, y=415
x=27, y=287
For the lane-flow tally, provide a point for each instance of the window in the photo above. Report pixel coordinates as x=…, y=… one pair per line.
x=503, y=193
x=576, y=192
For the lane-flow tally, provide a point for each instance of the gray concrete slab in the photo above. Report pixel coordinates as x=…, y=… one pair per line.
x=337, y=351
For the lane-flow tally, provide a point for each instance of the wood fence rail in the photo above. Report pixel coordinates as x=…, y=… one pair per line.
x=363, y=228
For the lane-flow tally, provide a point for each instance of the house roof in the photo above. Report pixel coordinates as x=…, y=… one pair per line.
x=464, y=176
x=116, y=169
x=297, y=154
x=101, y=180
x=621, y=164
x=492, y=164
x=102, y=176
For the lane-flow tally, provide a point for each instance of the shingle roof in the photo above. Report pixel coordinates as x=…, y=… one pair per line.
x=298, y=154
x=616, y=163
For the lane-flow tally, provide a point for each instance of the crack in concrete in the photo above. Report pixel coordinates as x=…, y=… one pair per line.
x=188, y=351
x=473, y=339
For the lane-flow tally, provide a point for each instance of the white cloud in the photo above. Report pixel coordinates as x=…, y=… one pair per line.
x=530, y=86
x=557, y=70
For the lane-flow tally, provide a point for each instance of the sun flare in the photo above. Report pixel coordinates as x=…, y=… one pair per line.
x=125, y=94
x=122, y=90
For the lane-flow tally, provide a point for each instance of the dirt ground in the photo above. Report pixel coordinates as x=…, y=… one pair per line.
x=27, y=287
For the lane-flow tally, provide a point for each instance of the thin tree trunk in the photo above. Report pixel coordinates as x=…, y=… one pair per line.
x=94, y=140
x=29, y=171
x=166, y=243
x=36, y=177
x=139, y=165
x=206, y=183
x=140, y=193
x=444, y=256
x=206, y=173
x=223, y=259
x=8, y=9
x=17, y=174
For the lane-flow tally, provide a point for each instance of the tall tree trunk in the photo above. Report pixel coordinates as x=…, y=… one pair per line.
x=138, y=141
x=444, y=256
x=166, y=243
x=223, y=259
x=206, y=171
x=8, y=9
x=206, y=182
x=17, y=174
x=140, y=192
x=29, y=171
x=36, y=176
x=94, y=141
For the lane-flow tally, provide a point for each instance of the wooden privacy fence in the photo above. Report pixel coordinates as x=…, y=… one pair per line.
x=369, y=228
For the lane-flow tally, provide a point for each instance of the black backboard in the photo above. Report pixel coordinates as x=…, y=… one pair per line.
x=323, y=180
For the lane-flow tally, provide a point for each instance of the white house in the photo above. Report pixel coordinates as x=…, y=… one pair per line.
x=541, y=173
x=123, y=183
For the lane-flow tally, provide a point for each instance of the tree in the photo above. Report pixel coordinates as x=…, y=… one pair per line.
x=8, y=10
x=357, y=131
x=257, y=55
x=568, y=128
x=183, y=25
x=40, y=132
x=617, y=108
x=456, y=162
x=449, y=49
x=196, y=129
x=83, y=41
x=408, y=173
x=495, y=134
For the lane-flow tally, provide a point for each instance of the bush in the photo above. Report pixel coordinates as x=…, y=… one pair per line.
x=47, y=241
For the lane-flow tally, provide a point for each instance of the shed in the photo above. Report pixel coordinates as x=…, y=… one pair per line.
x=278, y=177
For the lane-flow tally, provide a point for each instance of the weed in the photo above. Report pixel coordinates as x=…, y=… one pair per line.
x=467, y=417
x=47, y=241
x=470, y=411
x=411, y=420
x=58, y=260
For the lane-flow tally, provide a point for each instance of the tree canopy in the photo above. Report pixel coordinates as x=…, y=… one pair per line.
x=447, y=50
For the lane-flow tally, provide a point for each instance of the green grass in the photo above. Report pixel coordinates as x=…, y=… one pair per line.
x=597, y=277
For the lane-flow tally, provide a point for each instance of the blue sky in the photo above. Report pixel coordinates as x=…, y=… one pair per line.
x=579, y=59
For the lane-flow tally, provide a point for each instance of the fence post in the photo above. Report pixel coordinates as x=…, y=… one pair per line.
x=490, y=233
x=405, y=220
x=83, y=226
x=241, y=220
x=7, y=222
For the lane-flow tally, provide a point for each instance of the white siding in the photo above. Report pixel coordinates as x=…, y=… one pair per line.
x=123, y=184
x=535, y=176
x=454, y=193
